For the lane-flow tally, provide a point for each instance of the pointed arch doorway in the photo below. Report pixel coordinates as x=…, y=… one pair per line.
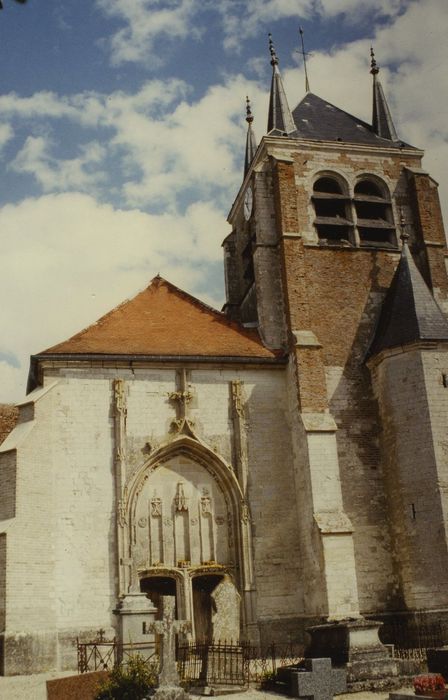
x=188, y=535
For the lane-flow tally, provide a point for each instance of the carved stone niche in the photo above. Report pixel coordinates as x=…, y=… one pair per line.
x=180, y=515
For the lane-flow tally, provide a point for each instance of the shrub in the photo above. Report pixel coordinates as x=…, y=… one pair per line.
x=130, y=681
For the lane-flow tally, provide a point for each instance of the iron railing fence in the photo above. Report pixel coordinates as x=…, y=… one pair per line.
x=409, y=637
x=204, y=664
x=223, y=663
x=104, y=655
x=229, y=663
x=265, y=660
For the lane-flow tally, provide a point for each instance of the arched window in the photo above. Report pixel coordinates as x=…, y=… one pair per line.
x=374, y=216
x=332, y=207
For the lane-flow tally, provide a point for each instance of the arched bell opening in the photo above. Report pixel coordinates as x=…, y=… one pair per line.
x=157, y=586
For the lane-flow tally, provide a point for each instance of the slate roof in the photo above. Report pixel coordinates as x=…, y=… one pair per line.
x=409, y=312
x=163, y=320
x=319, y=120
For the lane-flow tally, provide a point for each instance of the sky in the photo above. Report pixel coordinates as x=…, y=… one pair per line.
x=122, y=137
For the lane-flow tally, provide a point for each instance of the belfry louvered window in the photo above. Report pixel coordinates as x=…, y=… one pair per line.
x=332, y=208
x=374, y=218
x=364, y=219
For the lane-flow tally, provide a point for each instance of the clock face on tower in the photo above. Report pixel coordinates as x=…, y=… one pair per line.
x=248, y=201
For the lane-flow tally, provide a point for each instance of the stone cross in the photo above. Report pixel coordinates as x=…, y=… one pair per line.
x=167, y=628
x=320, y=682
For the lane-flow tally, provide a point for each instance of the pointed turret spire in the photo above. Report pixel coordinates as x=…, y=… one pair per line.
x=381, y=118
x=409, y=313
x=280, y=117
x=251, y=142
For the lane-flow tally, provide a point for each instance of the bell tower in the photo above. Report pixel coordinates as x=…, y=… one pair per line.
x=313, y=251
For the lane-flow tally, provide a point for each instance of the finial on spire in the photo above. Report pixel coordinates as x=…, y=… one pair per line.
x=274, y=59
x=304, y=54
x=279, y=116
x=404, y=236
x=249, y=115
x=251, y=141
x=374, y=69
x=382, y=122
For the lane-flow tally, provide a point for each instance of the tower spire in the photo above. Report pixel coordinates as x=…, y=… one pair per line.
x=280, y=117
x=251, y=142
x=381, y=117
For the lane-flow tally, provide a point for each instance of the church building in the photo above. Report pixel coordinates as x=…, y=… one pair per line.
x=274, y=465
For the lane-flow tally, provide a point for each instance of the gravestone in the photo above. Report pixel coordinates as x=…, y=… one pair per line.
x=226, y=618
x=355, y=644
x=168, y=628
x=316, y=679
x=136, y=614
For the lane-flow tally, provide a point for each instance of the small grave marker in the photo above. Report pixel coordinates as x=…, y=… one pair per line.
x=319, y=682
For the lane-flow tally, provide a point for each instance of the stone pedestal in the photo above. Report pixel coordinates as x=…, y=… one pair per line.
x=136, y=615
x=354, y=644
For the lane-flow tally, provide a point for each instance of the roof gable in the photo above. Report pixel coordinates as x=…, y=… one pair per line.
x=164, y=320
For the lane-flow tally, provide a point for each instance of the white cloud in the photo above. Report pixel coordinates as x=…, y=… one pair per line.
x=166, y=144
x=6, y=134
x=145, y=21
x=93, y=109
x=245, y=19
x=59, y=174
x=71, y=259
x=355, y=10
x=13, y=382
x=198, y=145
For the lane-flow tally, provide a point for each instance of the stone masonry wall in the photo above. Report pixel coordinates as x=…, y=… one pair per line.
x=414, y=405
x=61, y=547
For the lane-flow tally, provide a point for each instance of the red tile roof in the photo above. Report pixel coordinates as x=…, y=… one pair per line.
x=164, y=320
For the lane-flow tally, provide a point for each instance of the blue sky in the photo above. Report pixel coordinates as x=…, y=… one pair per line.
x=122, y=135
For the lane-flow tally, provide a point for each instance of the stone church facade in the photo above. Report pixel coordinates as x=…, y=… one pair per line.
x=275, y=465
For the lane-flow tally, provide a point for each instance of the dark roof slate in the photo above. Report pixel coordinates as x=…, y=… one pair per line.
x=319, y=120
x=409, y=313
